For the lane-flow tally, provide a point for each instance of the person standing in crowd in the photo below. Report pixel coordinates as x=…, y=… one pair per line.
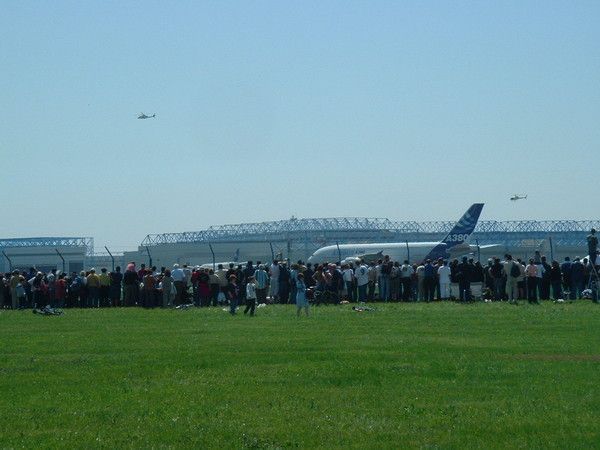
x=531, y=272
x=195, y=295
x=233, y=293
x=179, y=281
x=372, y=275
x=215, y=288
x=141, y=272
x=308, y=275
x=384, y=270
x=221, y=273
x=250, y=295
x=429, y=281
x=478, y=276
x=74, y=284
x=261, y=279
x=592, y=242
x=21, y=293
x=555, y=280
x=545, y=281
x=284, y=283
x=512, y=271
x=50, y=288
x=565, y=269
x=420, y=274
x=247, y=273
x=521, y=281
x=301, y=300
x=148, y=283
x=3, y=289
x=104, y=289
x=187, y=282
x=116, y=280
x=60, y=291
x=361, y=273
x=577, y=278
x=203, y=287
x=93, y=288
x=540, y=273
x=274, y=272
x=406, y=272
x=348, y=276
x=38, y=288
x=319, y=279
x=15, y=280
x=464, y=280
x=130, y=285
x=497, y=279
x=444, y=277
x=168, y=289
x=293, y=278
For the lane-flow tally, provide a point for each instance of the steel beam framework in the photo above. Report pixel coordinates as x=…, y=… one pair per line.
x=320, y=231
x=86, y=242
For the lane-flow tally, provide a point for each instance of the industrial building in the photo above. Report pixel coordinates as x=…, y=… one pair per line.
x=299, y=238
x=45, y=253
x=294, y=239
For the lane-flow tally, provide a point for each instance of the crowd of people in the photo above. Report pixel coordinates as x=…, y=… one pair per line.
x=298, y=283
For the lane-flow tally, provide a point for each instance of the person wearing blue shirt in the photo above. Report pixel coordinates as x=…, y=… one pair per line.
x=301, y=300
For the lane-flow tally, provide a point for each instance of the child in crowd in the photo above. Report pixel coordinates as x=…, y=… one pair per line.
x=301, y=300
x=250, y=296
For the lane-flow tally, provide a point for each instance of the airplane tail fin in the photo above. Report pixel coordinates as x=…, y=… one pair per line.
x=464, y=227
x=459, y=233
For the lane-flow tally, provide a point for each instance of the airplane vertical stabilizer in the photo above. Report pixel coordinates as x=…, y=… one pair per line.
x=459, y=233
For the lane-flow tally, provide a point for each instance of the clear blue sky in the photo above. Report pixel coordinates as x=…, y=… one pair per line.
x=406, y=110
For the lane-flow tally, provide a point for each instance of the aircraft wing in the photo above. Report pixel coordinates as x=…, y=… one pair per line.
x=483, y=247
x=368, y=257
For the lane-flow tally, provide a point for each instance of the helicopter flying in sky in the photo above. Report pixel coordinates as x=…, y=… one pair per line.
x=516, y=197
x=144, y=116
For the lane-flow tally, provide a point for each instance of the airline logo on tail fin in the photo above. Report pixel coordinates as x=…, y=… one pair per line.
x=459, y=233
x=464, y=227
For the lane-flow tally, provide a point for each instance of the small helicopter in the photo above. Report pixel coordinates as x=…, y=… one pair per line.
x=516, y=197
x=144, y=116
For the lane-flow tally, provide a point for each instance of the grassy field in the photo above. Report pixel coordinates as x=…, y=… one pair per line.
x=410, y=375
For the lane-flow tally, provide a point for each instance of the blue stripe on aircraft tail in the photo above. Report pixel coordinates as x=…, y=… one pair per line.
x=459, y=233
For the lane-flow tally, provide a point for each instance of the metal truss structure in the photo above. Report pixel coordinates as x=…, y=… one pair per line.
x=86, y=242
x=314, y=233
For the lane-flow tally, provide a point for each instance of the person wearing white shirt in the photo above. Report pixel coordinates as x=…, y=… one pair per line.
x=348, y=275
x=444, y=276
x=179, y=281
x=372, y=273
x=406, y=273
x=361, y=273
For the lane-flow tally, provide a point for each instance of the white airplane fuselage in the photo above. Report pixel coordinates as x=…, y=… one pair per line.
x=397, y=251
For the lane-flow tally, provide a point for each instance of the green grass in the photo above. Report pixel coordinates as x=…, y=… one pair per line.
x=414, y=375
